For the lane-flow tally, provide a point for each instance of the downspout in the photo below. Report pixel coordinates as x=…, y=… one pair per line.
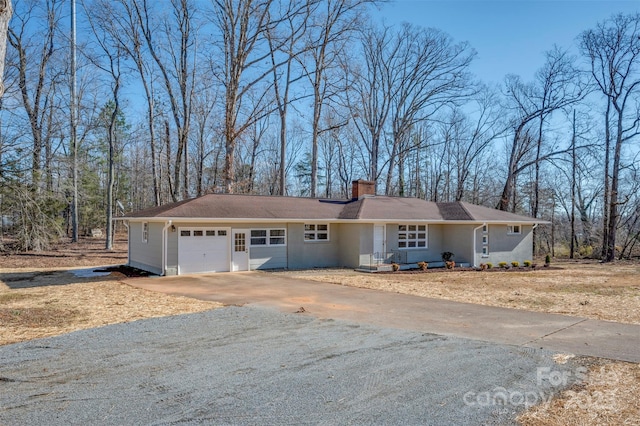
x=475, y=255
x=126, y=225
x=164, y=247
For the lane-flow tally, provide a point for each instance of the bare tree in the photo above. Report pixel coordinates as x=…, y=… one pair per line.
x=488, y=125
x=289, y=39
x=244, y=26
x=613, y=49
x=429, y=73
x=177, y=63
x=370, y=93
x=108, y=60
x=331, y=27
x=126, y=28
x=35, y=50
x=6, y=11
x=556, y=87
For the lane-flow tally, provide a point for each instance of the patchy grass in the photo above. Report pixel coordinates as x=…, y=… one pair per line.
x=37, y=317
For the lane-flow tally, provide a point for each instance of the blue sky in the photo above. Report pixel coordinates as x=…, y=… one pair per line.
x=510, y=36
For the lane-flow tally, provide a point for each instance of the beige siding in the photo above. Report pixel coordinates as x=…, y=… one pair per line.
x=504, y=247
x=303, y=255
x=353, y=243
x=458, y=239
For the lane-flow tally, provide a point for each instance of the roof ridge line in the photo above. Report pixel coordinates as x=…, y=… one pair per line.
x=360, y=208
x=461, y=203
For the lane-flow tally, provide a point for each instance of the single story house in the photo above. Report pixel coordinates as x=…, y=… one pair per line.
x=226, y=232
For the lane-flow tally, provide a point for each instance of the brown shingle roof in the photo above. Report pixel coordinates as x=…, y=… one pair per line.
x=228, y=206
x=486, y=214
x=454, y=211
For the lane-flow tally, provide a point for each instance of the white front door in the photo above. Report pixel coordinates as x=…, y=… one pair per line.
x=378, y=241
x=240, y=250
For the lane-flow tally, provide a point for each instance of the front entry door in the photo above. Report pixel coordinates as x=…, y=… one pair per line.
x=240, y=251
x=378, y=242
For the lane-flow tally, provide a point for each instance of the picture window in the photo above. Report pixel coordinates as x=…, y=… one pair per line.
x=412, y=236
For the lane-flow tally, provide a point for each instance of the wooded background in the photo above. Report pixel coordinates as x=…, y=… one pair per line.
x=178, y=98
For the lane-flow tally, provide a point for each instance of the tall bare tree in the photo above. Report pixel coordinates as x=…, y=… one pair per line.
x=332, y=26
x=35, y=46
x=371, y=91
x=613, y=49
x=430, y=72
x=171, y=41
x=556, y=86
x=108, y=57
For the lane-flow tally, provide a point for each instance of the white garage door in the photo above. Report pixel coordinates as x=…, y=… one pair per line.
x=203, y=250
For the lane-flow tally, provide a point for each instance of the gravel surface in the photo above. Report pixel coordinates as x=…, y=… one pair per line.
x=257, y=366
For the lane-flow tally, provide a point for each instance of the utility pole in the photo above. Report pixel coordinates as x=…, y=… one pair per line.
x=573, y=189
x=72, y=115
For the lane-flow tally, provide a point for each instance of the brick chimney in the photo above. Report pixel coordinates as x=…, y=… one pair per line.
x=360, y=188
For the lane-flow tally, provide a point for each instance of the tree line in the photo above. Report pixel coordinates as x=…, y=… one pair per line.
x=178, y=98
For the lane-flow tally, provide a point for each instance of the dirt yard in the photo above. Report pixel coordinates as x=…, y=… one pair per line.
x=40, y=298
x=582, y=288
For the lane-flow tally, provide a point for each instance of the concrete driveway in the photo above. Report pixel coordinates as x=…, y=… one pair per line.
x=559, y=333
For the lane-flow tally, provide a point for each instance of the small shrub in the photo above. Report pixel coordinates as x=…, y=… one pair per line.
x=489, y=265
x=547, y=259
x=483, y=266
x=515, y=264
x=527, y=263
x=395, y=267
x=502, y=264
x=585, y=251
x=450, y=264
x=423, y=266
x=447, y=256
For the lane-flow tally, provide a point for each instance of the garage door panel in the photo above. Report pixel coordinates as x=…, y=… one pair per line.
x=203, y=250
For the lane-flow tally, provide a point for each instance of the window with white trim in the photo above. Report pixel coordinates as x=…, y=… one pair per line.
x=316, y=232
x=485, y=251
x=485, y=228
x=412, y=236
x=485, y=239
x=268, y=237
x=513, y=229
x=145, y=232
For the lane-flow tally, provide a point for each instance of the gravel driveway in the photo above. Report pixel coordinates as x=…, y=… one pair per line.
x=257, y=366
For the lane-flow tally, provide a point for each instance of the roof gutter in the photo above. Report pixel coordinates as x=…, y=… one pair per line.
x=164, y=247
x=475, y=255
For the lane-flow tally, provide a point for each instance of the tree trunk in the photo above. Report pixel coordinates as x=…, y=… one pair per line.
x=6, y=11
x=613, y=203
x=606, y=195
